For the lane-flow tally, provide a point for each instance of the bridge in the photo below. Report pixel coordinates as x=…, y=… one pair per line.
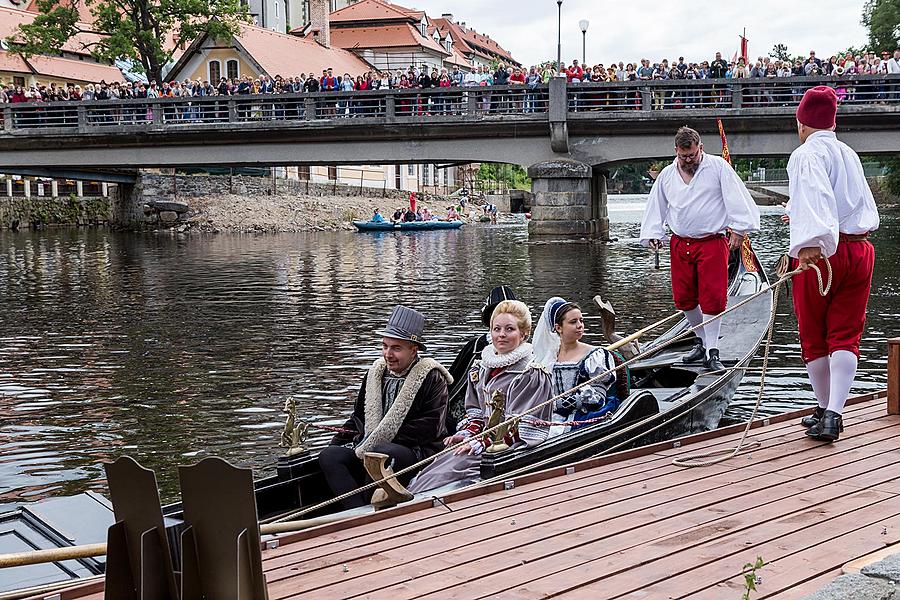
x=568, y=136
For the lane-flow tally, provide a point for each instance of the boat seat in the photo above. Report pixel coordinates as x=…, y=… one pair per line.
x=663, y=394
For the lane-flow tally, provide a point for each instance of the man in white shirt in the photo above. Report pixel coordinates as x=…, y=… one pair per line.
x=699, y=196
x=831, y=214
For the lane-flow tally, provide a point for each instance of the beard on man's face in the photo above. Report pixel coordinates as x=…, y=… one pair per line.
x=689, y=167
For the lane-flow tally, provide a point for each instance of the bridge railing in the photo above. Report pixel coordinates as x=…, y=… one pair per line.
x=463, y=104
x=727, y=93
x=469, y=103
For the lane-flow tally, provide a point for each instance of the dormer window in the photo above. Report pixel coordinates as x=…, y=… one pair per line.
x=423, y=27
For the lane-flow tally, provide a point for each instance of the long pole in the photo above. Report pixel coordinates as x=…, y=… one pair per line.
x=559, y=38
x=583, y=48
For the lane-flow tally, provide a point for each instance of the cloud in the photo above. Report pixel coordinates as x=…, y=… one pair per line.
x=648, y=29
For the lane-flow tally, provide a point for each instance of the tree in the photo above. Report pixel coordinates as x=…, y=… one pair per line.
x=780, y=52
x=882, y=19
x=134, y=30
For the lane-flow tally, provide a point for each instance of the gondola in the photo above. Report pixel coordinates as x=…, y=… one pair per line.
x=667, y=399
x=366, y=226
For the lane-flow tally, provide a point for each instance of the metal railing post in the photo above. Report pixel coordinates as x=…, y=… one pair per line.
x=737, y=95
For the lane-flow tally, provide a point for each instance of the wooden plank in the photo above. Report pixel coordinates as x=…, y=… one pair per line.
x=804, y=589
x=570, y=559
x=400, y=564
x=402, y=528
x=793, y=560
x=893, y=369
x=430, y=534
x=781, y=536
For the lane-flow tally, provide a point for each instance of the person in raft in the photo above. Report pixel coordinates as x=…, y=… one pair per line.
x=558, y=346
x=506, y=367
x=831, y=213
x=699, y=196
x=401, y=410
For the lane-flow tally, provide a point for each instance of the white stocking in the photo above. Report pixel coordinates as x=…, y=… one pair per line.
x=843, y=370
x=820, y=377
x=695, y=317
x=711, y=333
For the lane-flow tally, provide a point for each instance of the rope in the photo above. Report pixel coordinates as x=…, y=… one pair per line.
x=515, y=419
x=705, y=459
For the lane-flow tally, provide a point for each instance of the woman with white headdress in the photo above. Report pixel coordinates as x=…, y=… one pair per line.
x=558, y=347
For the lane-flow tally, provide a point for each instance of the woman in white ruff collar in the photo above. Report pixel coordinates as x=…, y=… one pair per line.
x=506, y=365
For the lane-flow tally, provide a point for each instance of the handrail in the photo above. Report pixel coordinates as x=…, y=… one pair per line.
x=467, y=104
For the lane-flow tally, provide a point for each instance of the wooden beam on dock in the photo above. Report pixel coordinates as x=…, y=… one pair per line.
x=893, y=398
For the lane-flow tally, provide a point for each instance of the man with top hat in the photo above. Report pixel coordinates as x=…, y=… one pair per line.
x=831, y=213
x=699, y=197
x=400, y=410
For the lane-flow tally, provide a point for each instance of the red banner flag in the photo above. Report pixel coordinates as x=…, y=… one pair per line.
x=725, y=153
x=745, y=51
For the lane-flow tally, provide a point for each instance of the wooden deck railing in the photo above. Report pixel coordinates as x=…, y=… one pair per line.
x=893, y=368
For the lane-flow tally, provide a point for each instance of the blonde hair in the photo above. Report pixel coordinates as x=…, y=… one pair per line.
x=517, y=309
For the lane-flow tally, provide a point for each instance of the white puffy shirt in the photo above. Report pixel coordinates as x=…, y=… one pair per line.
x=714, y=200
x=829, y=194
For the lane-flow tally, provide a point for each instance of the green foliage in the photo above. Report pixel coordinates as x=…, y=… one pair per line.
x=494, y=175
x=892, y=178
x=882, y=19
x=750, y=576
x=780, y=52
x=134, y=30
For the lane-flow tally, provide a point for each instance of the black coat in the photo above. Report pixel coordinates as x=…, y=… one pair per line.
x=424, y=428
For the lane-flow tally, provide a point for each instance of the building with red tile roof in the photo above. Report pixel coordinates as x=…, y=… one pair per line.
x=74, y=64
x=257, y=51
x=391, y=36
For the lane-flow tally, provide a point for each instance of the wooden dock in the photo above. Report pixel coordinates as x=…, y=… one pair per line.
x=629, y=525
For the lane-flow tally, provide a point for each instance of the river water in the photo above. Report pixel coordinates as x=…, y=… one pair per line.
x=170, y=349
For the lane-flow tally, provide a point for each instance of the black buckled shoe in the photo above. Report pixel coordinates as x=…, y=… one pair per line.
x=810, y=420
x=697, y=353
x=829, y=427
x=712, y=362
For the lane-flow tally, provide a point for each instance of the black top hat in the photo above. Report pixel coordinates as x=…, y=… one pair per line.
x=497, y=295
x=405, y=324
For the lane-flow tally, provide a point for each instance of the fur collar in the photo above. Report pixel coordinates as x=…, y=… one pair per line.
x=380, y=427
x=492, y=360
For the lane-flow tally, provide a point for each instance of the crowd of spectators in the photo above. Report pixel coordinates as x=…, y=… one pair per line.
x=428, y=78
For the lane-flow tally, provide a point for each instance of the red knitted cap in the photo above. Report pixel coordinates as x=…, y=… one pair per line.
x=818, y=108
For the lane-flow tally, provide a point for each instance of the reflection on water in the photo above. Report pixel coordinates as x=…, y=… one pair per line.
x=170, y=349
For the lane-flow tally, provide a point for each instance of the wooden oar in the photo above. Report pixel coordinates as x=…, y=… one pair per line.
x=35, y=557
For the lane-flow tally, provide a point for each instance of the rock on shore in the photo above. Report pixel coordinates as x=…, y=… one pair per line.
x=283, y=213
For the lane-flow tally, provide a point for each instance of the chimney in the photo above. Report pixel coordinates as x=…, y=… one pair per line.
x=447, y=16
x=319, y=20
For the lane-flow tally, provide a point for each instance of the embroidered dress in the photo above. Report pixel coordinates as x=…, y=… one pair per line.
x=593, y=400
x=523, y=385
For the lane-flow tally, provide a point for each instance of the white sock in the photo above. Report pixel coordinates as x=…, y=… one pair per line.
x=711, y=333
x=820, y=377
x=843, y=370
x=695, y=317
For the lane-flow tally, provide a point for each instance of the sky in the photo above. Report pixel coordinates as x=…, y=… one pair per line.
x=635, y=29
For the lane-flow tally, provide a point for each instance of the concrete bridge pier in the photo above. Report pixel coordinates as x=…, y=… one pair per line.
x=569, y=200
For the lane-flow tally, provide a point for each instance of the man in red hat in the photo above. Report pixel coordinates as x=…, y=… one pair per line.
x=699, y=197
x=831, y=214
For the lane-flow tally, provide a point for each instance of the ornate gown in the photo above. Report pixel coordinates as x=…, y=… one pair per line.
x=523, y=384
x=593, y=400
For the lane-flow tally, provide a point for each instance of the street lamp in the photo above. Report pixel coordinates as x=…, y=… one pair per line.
x=584, y=25
x=559, y=38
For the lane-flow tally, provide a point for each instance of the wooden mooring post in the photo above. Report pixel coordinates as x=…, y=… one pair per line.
x=893, y=367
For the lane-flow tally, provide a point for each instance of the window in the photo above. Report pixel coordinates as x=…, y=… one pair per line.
x=303, y=172
x=410, y=170
x=232, y=67
x=276, y=9
x=426, y=176
x=19, y=81
x=332, y=173
x=215, y=71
